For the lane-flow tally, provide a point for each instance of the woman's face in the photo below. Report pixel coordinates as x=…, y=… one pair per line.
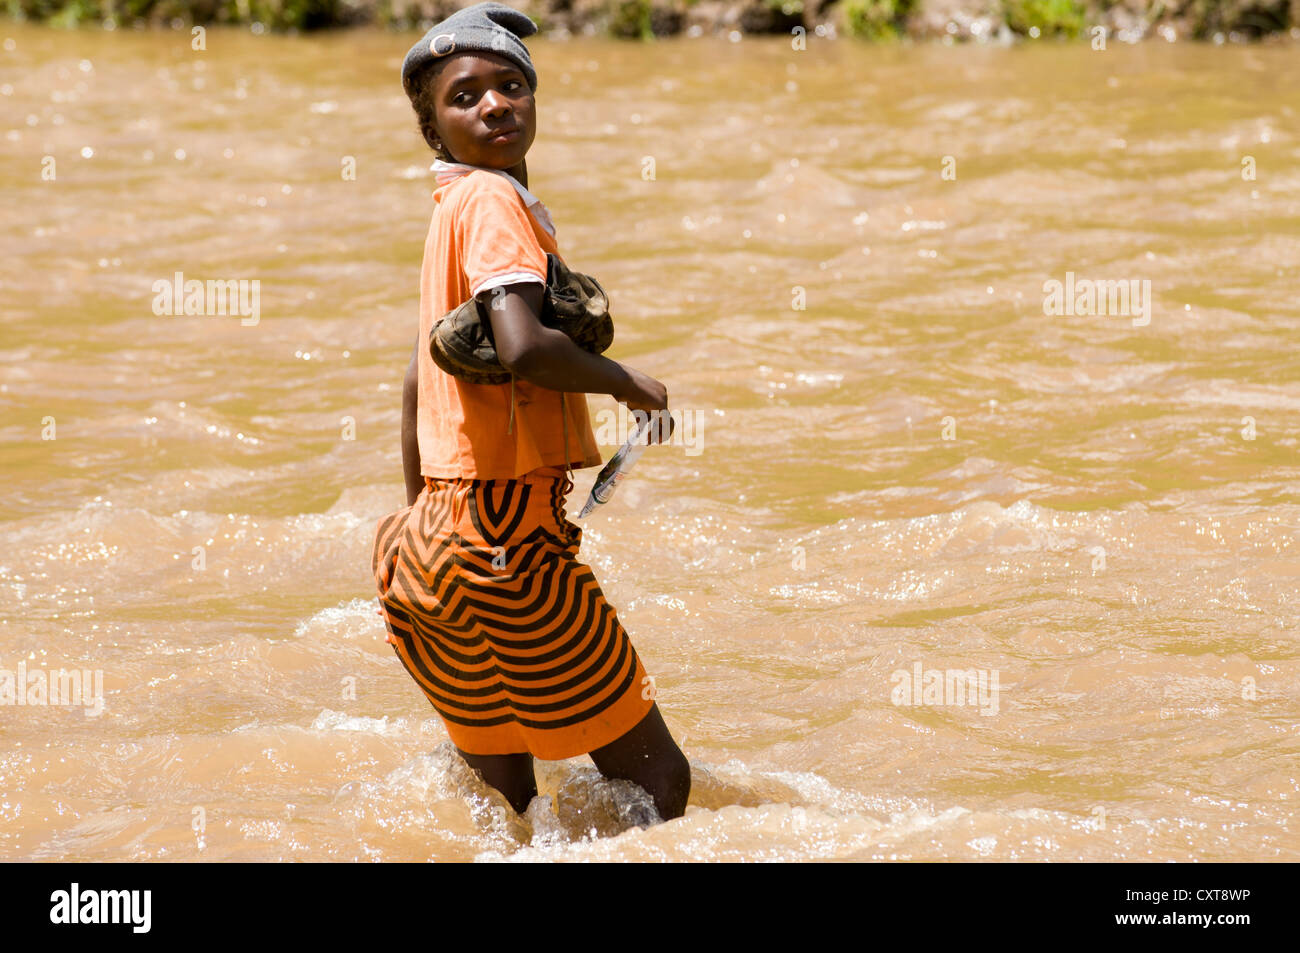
x=478, y=97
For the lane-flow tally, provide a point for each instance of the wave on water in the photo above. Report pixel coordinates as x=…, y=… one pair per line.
x=435, y=804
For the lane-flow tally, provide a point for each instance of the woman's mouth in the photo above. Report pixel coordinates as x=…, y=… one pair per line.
x=509, y=135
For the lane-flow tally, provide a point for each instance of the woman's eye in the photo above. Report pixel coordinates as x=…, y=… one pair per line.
x=457, y=100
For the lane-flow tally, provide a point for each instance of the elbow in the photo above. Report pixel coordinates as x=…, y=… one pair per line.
x=523, y=360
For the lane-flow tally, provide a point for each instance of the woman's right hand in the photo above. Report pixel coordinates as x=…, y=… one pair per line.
x=643, y=392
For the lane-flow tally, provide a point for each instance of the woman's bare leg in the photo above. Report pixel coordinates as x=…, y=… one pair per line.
x=511, y=774
x=648, y=756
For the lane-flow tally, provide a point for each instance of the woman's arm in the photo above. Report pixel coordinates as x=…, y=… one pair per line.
x=549, y=358
x=410, y=432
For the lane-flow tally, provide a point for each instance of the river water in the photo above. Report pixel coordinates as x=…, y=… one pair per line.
x=901, y=466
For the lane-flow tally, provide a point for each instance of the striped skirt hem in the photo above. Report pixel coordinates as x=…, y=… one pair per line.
x=504, y=629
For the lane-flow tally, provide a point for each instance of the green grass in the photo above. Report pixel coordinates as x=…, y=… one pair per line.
x=1051, y=17
x=876, y=19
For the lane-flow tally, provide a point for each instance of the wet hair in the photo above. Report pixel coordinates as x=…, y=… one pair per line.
x=422, y=86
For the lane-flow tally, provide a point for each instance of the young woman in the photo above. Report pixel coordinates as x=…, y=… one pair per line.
x=487, y=604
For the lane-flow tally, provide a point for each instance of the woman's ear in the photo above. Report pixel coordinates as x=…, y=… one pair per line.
x=441, y=148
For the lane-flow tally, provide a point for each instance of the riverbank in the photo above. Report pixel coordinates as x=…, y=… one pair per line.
x=981, y=21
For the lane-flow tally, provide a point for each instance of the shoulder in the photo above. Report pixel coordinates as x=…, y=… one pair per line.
x=483, y=186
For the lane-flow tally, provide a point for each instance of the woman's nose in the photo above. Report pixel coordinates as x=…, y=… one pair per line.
x=494, y=102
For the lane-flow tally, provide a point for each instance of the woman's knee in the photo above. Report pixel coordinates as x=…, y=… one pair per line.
x=666, y=776
x=669, y=783
x=677, y=770
x=512, y=775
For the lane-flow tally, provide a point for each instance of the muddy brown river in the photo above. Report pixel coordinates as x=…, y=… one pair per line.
x=979, y=541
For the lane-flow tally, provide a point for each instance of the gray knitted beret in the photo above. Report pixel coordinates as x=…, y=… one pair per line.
x=489, y=27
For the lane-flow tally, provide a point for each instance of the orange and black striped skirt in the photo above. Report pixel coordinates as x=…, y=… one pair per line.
x=501, y=625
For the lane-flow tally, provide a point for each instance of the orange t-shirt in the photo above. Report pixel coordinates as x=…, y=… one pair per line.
x=481, y=229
